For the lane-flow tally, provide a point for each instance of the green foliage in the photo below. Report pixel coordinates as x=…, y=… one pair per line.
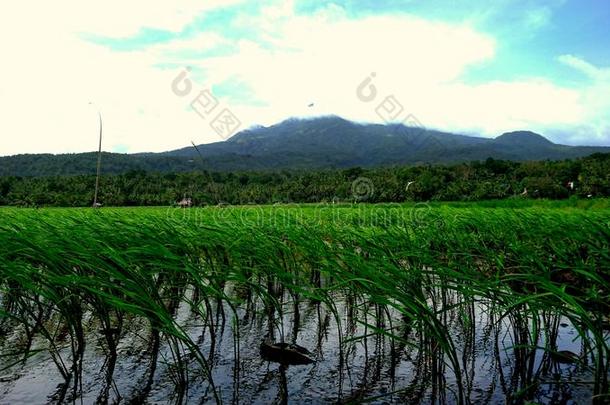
x=140, y=263
x=475, y=181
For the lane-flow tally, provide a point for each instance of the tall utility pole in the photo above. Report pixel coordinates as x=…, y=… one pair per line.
x=99, y=164
x=210, y=179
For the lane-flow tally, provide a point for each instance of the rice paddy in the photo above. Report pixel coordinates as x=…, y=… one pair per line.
x=395, y=304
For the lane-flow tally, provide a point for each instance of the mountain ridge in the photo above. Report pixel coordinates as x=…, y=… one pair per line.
x=313, y=143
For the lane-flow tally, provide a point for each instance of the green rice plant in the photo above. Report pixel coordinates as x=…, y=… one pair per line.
x=406, y=276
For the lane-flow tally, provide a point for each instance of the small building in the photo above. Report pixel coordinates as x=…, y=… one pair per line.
x=185, y=203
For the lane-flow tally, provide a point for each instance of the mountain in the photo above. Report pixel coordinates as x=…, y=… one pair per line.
x=523, y=139
x=324, y=142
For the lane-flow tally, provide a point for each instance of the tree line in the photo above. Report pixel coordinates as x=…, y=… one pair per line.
x=474, y=181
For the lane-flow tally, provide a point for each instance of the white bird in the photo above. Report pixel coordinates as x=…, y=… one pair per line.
x=408, y=184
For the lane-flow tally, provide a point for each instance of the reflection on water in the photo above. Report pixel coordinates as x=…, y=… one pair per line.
x=362, y=351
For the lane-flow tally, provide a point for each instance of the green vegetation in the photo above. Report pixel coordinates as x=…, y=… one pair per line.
x=414, y=278
x=309, y=144
x=492, y=179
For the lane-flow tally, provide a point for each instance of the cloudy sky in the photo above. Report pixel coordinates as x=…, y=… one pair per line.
x=473, y=67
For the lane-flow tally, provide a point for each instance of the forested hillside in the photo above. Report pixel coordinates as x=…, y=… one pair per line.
x=308, y=144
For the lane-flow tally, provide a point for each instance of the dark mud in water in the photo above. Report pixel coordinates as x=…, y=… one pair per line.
x=355, y=360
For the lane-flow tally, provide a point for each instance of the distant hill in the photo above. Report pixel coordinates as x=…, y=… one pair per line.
x=523, y=138
x=325, y=142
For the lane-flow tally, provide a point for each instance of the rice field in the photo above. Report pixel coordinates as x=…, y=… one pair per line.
x=394, y=303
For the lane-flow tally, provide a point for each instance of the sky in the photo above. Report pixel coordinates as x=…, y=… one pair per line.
x=163, y=74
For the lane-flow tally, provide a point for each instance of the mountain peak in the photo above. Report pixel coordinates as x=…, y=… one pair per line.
x=290, y=126
x=523, y=138
x=322, y=120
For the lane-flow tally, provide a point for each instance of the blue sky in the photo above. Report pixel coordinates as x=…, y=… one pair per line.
x=474, y=67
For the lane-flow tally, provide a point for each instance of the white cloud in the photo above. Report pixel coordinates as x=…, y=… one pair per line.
x=585, y=67
x=324, y=58
x=112, y=18
x=50, y=74
x=493, y=108
x=595, y=124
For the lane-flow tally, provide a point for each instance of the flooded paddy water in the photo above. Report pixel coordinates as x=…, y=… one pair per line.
x=363, y=352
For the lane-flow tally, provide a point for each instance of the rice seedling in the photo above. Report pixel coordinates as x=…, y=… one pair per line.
x=397, y=303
